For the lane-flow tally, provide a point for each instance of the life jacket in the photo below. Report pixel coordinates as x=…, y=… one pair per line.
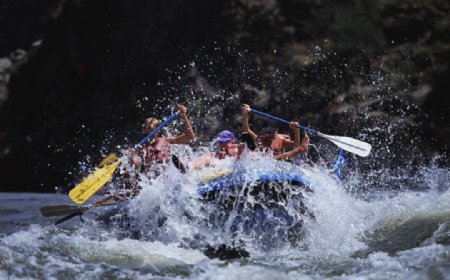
x=152, y=155
x=231, y=150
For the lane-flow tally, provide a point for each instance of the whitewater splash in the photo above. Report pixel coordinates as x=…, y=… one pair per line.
x=347, y=233
x=337, y=221
x=170, y=208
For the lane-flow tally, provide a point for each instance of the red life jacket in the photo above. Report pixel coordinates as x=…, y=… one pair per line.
x=232, y=150
x=152, y=155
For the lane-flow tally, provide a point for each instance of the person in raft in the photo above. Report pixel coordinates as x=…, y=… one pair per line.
x=279, y=144
x=156, y=151
x=227, y=147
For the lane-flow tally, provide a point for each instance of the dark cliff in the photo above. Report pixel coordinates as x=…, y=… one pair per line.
x=375, y=70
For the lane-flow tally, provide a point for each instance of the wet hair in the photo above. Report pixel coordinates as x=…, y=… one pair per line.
x=270, y=129
x=151, y=123
x=313, y=154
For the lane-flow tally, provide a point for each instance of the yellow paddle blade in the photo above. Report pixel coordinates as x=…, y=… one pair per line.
x=92, y=183
x=107, y=160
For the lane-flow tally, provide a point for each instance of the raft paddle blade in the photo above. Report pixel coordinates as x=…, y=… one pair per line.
x=92, y=183
x=107, y=160
x=62, y=210
x=351, y=145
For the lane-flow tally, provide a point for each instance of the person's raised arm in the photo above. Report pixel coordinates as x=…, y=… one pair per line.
x=287, y=143
x=294, y=127
x=245, y=109
x=188, y=131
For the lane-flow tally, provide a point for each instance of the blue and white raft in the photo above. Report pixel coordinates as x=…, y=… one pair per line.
x=254, y=201
x=268, y=206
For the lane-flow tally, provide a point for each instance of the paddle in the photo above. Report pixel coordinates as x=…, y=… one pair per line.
x=92, y=183
x=67, y=209
x=107, y=160
x=351, y=145
x=70, y=211
x=63, y=210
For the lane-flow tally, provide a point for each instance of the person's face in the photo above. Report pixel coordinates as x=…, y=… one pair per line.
x=148, y=130
x=149, y=127
x=224, y=145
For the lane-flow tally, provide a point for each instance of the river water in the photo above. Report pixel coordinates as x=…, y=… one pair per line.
x=390, y=233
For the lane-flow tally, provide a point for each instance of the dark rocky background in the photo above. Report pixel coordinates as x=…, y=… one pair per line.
x=77, y=77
